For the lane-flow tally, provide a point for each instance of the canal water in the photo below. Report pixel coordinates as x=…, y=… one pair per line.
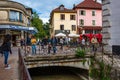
x=53, y=73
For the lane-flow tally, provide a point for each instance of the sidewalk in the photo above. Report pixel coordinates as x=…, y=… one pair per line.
x=10, y=74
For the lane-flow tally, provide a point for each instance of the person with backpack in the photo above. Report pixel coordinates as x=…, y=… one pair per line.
x=6, y=49
x=33, y=42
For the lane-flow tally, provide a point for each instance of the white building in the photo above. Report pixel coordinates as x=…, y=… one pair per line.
x=111, y=25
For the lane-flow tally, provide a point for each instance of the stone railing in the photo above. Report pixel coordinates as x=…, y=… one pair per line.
x=24, y=74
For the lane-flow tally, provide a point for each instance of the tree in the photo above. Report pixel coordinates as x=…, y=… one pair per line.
x=38, y=23
x=47, y=29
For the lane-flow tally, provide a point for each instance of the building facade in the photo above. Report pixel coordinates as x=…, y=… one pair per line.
x=111, y=26
x=63, y=20
x=13, y=15
x=89, y=16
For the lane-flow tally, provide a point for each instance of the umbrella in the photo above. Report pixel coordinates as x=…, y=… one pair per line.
x=90, y=36
x=73, y=35
x=60, y=35
x=99, y=37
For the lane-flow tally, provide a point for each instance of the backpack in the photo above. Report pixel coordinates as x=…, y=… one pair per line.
x=1, y=51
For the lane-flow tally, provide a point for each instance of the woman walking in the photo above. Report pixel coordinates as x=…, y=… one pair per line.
x=6, y=48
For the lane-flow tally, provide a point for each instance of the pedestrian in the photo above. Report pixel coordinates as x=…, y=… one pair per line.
x=22, y=43
x=83, y=43
x=61, y=43
x=33, y=42
x=49, y=48
x=94, y=43
x=54, y=43
x=49, y=45
x=6, y=48
x=28, y=45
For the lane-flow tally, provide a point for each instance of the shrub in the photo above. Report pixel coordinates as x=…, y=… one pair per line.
x=80, y=52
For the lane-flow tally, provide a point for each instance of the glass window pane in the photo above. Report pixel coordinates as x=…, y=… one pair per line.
x=15, y=16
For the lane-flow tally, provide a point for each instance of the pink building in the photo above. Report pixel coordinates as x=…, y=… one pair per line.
x=89, y=16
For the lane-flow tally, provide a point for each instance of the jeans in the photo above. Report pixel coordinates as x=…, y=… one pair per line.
x=94, y=48
x=6, y=55
x=54, y=49
x=33, y=49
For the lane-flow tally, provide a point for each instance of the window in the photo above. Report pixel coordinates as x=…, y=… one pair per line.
x=73, y=27
x=62, y=16
x=93, y=13
x=28, y=22
x=88, y=31
x=15, y=16
x=20, y=16
x=93, y=22
x=82, y=12
x=96, y=31
x=72, y=17
x=61, y=27
x=81, y=22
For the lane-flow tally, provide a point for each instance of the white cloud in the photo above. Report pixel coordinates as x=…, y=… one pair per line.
x=45, y=20
x=44, y=7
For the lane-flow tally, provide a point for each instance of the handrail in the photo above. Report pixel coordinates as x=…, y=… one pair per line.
x=24, y=74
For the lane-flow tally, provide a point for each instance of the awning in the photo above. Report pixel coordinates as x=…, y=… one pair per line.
x=32, y=30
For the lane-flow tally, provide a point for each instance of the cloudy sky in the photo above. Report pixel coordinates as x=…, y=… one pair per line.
x=44, y=7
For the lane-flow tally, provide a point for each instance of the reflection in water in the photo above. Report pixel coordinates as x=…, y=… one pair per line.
x=56, y=77
x=53, y=73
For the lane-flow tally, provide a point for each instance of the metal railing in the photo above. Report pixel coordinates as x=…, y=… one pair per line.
x=24, y=74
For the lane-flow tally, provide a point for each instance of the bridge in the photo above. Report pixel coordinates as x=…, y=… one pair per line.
x=65, y=57
x=69, y=60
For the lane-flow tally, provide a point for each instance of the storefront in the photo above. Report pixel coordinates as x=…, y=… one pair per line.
x=16, y=32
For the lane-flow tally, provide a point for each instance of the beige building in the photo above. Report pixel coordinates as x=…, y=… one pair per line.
x=63, y=20
x=14, y=19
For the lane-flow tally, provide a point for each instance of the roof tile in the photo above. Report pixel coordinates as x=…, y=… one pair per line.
x=89, y=4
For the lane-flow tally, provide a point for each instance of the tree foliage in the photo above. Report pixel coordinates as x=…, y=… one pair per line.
x=38, y=23
x=47, y=29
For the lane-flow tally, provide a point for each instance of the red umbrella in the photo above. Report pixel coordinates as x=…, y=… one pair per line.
x=99, y=37
x=90, y=36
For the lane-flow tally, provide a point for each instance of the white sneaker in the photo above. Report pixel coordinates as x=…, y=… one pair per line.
x=8, y=67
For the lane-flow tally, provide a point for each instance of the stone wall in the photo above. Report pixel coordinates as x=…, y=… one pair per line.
x=111, y=25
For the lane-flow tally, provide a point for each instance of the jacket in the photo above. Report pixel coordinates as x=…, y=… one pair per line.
x=6, y=47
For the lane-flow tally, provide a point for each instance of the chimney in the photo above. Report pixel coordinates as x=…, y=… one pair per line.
x=73, y=5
